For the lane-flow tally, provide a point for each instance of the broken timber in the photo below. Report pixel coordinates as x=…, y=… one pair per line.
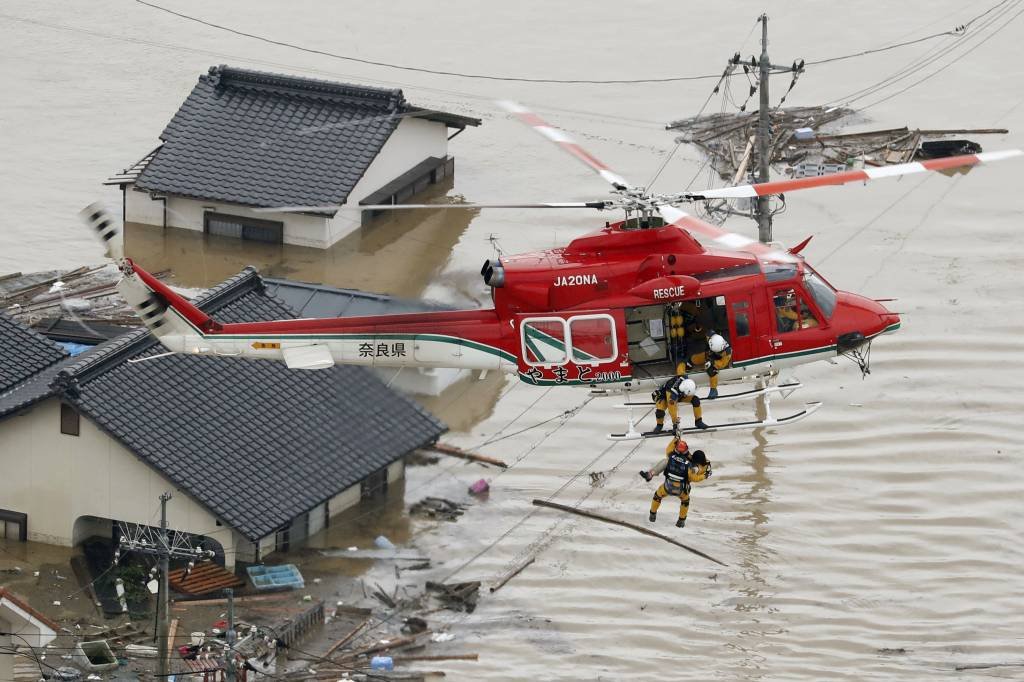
x=617, y=522
x=513, y=574
x=462, y=454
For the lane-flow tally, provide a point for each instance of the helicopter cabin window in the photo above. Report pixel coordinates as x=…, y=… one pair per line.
x=741, y=318
x=543, y=340
x=592, y=338
x=791, y=312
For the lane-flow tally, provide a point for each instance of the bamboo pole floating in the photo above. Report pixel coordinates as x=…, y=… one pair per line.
x=513, y=574
x=456, y=452
x=639, y=529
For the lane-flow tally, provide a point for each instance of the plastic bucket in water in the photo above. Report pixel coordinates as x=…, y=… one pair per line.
x=385, y=663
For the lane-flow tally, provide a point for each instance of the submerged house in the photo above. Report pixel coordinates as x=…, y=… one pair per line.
x=246, y=140
x=258, y=456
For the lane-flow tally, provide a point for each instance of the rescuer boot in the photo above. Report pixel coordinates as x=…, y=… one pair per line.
x=680, y=523
x=712, y=394
x=700, y=424
x=658, y=428
x=653, y=517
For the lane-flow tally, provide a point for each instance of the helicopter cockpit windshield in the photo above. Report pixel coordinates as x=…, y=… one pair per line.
x=821, y=291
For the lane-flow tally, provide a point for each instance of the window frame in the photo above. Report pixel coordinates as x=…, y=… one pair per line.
x=565, y=335
x=571, y=348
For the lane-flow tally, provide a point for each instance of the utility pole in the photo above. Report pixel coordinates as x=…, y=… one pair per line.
x=764, y=135
x=163, y=544
x=230, y=674
x=164, y=601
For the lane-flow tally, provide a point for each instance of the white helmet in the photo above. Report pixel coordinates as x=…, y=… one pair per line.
x=687, y=387
x=716, y=343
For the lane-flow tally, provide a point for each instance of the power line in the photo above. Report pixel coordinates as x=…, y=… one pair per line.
x=946, y=66
x=953, y=32
x=931, y=56
x=436, y=72
x=522, y=79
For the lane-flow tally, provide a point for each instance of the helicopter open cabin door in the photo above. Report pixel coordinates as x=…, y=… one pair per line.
x=585, y=347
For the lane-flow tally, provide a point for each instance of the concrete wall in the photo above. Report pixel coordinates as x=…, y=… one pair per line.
x=56, y=478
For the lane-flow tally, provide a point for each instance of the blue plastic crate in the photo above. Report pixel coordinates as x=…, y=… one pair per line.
x=283, y=577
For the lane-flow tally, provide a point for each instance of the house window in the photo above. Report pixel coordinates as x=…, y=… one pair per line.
x=69, y=420
x=374, y=485
x=241, y=227
x=13, y=525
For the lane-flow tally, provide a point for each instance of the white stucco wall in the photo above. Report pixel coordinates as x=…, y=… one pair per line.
x=413, y=141
x=299, y=229
x=57, y=478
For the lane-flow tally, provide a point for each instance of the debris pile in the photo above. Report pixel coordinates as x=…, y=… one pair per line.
x=802, y=143
x=438, y=508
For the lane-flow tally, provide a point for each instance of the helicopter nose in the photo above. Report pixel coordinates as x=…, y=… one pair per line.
x=859, y=319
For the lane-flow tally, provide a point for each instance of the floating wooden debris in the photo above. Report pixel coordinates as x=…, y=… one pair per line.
x=801, y=142
x=625, y=524
x=203, y=579
x=462, y=454
x=438, y=508
x=457, y=596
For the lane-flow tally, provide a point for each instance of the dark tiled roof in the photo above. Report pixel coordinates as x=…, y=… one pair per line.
x=319, y=300
x=23, y=353
x=264, y=139
x=256, y=443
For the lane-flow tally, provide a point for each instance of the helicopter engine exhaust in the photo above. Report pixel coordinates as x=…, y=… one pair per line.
x=494, y=273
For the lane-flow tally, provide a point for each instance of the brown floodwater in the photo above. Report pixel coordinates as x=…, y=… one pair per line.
x=881, y=539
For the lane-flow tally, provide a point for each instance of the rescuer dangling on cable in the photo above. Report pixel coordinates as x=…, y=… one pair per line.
x=681, y=469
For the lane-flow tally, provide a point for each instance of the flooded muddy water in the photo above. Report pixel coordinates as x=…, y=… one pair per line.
x=881, y=539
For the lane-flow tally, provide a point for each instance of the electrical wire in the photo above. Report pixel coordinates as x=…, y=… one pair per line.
x=436, y=72
x=964, y=36
x=946, y=66
x=959, y=29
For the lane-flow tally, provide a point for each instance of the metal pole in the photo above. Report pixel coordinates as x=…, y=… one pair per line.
x=764, y=135
x=164, y=601
x=229, y=664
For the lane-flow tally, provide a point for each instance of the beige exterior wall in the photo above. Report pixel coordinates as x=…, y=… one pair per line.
x=57, y=478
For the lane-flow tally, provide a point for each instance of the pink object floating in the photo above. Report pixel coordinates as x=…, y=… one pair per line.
x=480, y=487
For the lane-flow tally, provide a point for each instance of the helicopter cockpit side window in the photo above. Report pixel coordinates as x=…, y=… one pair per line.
x=791, y=312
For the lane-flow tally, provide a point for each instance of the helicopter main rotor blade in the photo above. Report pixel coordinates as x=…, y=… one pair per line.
x=706, y=232
x=860, y=175
x=563, y=140
x=599, y=205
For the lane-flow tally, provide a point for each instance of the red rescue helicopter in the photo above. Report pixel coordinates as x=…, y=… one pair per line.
x=596, y=313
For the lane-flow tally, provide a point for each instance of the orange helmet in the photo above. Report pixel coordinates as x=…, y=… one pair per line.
x=681, y=445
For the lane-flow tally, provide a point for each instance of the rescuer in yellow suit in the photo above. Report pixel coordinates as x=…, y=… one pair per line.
x=674, y=391
x=716, y=357
x=681, y=469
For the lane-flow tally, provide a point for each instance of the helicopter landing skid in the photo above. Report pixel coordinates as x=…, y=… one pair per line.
x=633, y=434
x=785, y=389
